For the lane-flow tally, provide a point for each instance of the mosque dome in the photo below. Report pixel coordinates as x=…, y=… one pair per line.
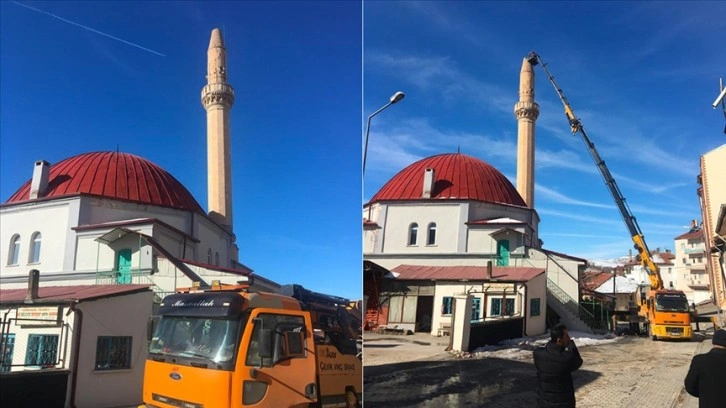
x=120, y=176
x=456, y=177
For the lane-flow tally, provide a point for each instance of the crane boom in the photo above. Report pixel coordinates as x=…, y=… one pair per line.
x=644, y=255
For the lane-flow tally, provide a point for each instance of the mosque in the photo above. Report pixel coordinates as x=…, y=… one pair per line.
x=451, y=227
x=117, y=218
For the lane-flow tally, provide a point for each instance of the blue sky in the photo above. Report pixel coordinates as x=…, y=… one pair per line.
x=296, y=70
x=641, y=76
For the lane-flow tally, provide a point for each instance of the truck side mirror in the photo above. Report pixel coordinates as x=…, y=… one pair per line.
x=266, y=342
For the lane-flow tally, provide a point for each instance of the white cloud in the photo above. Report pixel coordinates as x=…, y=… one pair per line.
x=559, y=198
x=442, y=76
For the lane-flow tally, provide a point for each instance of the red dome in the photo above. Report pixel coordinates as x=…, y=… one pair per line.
x=119, y=176
x=457, y=177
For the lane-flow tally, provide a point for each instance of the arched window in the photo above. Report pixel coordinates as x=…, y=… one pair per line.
x=209, y=256
x=431, y=235
x=412, y=234
x=216, y=258
x=14, y=250
x=35, y=248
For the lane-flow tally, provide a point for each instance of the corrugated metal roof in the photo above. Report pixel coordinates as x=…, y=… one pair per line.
x=593, y=280
x=50, y=294
x=503, y=273
x=457, y=177
x=114, y=175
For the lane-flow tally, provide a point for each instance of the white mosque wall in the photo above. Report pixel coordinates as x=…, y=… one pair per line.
x=97, y=210
x=92, y=255
x=399, y=218
x=52, y=219
x=373, y=236
x=481, y=241
x=213, y=238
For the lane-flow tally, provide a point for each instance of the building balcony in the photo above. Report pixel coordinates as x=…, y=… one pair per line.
x=696, y=250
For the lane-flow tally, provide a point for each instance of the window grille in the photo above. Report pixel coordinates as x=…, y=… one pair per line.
x=113, y=353
x=42, y=350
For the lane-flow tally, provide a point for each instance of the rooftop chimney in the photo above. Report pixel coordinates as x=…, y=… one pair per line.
x=33, y=280
x=489, y=269
x=428, y=184
x=40, y=179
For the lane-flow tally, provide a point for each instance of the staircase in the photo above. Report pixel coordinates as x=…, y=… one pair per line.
x=570, y=311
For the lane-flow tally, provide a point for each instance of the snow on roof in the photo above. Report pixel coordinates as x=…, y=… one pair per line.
x=622, y=285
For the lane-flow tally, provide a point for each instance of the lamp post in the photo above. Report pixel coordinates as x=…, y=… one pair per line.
x=394, y=99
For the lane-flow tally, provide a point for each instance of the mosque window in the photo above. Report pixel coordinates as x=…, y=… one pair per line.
x=209, y=256
x=216, y=258
x=14, y=250
x=431, y=235
x=412, y=234
x=35, y=248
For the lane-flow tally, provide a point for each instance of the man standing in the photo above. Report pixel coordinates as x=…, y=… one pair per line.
x=706, y=380
x=554, y=363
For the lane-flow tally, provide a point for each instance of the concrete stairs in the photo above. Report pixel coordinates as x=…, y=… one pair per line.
x=571, y=313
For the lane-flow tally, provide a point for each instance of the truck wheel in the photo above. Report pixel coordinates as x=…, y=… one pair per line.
x=351, y=400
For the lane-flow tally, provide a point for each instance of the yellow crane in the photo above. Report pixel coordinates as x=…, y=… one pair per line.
x=662, y=313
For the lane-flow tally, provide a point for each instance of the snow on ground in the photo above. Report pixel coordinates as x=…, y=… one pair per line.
x=521, y=348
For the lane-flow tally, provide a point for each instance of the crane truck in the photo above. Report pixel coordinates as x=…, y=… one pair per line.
x=224, y=346
x=661, y=313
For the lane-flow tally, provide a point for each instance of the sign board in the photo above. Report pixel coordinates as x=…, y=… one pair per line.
x=39, y=315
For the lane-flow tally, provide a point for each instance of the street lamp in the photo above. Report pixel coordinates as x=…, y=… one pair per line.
x=394, y=98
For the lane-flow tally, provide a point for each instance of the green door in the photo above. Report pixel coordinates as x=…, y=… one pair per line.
x=503, y=253
x=124, y=266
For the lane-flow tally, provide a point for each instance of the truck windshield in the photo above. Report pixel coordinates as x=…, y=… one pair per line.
x=210, y=339
x=671, y=304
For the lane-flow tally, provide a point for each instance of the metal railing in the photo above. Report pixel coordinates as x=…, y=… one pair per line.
x=576, y=309
x=135, y=277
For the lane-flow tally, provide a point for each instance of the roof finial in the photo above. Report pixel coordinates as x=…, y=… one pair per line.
x=458, y=149
x=116, y=147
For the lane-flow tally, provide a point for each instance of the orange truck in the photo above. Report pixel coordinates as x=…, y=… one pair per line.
x=225, y=346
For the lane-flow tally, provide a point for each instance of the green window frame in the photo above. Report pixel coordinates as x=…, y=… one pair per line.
x=534, y=307
x=42, y=350
x=447, y=305
x=475, y=309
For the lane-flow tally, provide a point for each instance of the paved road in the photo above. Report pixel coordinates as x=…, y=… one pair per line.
x=407, y=372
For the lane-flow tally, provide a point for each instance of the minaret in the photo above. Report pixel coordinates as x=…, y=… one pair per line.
x=217, y=99
x=526, y=111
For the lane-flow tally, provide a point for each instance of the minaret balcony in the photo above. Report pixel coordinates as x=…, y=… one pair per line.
x=217, y=93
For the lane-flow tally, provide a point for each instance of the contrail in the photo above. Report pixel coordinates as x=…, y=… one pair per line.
x=88, y=28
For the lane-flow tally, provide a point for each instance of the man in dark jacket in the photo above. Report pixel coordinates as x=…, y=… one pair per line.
x=555, y=362
x=706, y=380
